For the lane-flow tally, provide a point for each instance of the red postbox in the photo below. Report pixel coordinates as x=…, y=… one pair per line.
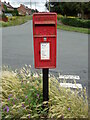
x=45, y=39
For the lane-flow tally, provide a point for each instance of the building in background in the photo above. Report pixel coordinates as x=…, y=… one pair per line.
x=23, y=10
x=28, y=11
x=8, y=6
x=2, y=10
x=9, y=10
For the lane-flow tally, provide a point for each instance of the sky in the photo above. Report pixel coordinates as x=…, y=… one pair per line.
x=38, y=4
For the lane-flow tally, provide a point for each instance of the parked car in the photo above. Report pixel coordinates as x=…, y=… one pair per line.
x=8, y=14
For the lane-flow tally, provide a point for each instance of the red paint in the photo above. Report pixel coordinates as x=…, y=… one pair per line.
x=45, y=26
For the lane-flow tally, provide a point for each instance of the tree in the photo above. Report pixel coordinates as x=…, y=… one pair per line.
x=69, y=8
x=5, y=7
x=85, y=7
x=15, y=12
x=33, y=11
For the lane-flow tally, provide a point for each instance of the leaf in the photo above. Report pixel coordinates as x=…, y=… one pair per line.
x=23, y=117
x=7, y=116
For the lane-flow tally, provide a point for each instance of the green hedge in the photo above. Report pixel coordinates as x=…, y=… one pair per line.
x=14, y=13
x=76, y=22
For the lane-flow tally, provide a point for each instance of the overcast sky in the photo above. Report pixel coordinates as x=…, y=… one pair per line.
x=39, y=4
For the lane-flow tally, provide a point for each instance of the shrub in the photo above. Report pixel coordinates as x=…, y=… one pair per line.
x=14, y=12
x=76, y=22
x=3, y=18
x=12, y=18
x=59, y=16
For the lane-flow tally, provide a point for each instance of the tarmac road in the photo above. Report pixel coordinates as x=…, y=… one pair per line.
x=72, y=50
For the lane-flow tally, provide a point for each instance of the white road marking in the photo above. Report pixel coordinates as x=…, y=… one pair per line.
x=70, y=85
x=72, y=77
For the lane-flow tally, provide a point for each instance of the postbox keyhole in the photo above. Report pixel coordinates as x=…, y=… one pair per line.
x=45, y=39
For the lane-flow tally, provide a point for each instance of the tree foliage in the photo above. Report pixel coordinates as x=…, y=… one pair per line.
x=33, y=11
x=5, y=7
x=14, y=12
x=69, y=8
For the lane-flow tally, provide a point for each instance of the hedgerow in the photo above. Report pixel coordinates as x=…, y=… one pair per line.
x=76, y=22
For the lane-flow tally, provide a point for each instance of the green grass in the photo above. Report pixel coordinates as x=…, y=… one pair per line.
x=22, y=97
x=17, y=20
x=74, y=29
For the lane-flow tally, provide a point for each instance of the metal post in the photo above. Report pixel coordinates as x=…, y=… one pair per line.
x=35, y=6
x=45, y=91
x=45, y=85
x=31, y=7
x=30, y=3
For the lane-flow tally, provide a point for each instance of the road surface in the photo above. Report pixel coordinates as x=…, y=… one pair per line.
x=72, y=50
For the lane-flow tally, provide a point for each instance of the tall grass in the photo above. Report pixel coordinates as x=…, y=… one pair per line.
x=22, y=97
x=67, y=103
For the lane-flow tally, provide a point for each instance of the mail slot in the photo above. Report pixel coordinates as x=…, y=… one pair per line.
x=45, y=39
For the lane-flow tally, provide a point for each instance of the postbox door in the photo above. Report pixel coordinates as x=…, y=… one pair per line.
x=45, y=52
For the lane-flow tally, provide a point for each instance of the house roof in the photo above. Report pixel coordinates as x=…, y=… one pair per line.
x=24, y=9
x=8, y=5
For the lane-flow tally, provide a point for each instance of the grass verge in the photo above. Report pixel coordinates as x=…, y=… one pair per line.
x=74, y=29
x=22, y=97
x=17, y=20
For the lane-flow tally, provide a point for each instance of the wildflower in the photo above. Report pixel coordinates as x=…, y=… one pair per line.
x=7, y=108
x=15, y=99
x=26, y=96
x=4, y=109
x=62, y=117
x=8, y=98
x=29, y=116
x=68, y=109
x=23, y=105
x=13, y=103
x=38, y=95
x=1, y=104
x=10, y=95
